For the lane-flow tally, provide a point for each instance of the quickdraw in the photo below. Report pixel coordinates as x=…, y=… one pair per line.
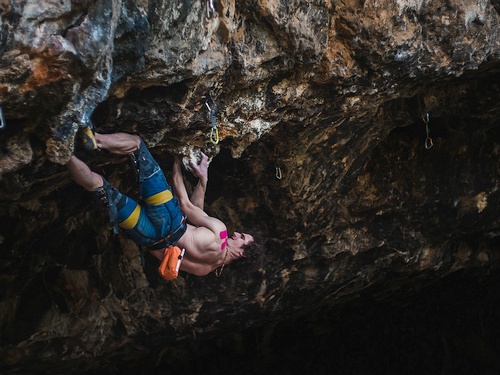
x=2, y=119
x=214, y=132
x=210, y=8
x=278, y=173
x=428, y=140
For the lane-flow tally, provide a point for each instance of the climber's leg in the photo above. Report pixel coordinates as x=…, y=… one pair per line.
x=88, y=138
x=123, y=211
x=156, y=194
x=82, y=175
x=144, y=163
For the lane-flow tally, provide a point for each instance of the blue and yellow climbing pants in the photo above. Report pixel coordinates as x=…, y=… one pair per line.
x=156, y=220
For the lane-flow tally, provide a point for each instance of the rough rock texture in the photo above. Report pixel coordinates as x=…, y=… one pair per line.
x=334, y=98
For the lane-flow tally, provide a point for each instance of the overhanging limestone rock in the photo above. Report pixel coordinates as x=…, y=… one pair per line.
x=332, y=93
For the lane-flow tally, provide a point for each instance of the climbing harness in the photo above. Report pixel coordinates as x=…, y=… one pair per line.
x=171, y=238
x=210, y=8
x=214, y=132
x=278, y=173
x=428, y=140
x=2, y=119
x=104, y=195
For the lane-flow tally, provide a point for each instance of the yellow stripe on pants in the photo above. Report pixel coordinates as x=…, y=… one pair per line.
x=159, y=198
x=132, y=220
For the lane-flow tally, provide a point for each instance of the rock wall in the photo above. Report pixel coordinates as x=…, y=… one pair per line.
x=326, y=112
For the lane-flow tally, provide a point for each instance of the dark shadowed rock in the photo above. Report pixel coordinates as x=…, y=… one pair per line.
x=339, y=100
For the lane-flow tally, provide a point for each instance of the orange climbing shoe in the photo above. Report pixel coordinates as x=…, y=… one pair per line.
x=88, y=139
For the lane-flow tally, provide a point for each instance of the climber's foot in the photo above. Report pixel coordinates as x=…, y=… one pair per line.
x=88, y=139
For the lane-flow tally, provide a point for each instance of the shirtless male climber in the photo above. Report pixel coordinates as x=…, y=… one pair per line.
x=158, y=219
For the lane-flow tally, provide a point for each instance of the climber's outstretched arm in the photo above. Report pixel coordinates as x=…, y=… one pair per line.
x=200, y=171
x=181, y=193
x=195, y=215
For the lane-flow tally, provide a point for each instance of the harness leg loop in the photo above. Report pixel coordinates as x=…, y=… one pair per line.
x=109, y=197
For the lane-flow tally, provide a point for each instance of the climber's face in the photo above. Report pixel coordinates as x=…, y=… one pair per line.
x=240, y=241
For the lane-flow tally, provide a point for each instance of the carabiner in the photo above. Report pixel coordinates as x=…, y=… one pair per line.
x=214, y=135
x=279, y=176
x=425, y=117
x=428, y=140
x=428, y=143
x=2, y=119
x=278, y=173
x=210, y=8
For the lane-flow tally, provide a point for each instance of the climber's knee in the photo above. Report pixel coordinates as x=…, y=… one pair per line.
x=144, y=163
x=111, y=199
x=105, y=194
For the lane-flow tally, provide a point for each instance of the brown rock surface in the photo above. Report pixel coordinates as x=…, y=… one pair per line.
x=334, y=94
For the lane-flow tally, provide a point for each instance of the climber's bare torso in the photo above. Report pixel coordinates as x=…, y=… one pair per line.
x=205, y=251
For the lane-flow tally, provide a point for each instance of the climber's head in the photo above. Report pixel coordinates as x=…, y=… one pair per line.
x=248, y=248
